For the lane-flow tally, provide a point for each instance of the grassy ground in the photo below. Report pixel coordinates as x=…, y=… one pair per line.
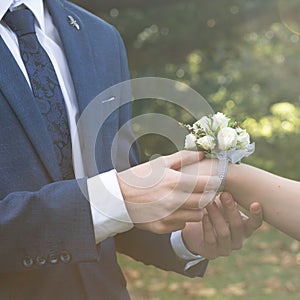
x=267, y=268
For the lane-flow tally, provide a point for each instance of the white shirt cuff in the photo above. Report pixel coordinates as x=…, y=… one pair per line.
x=108, y=209
x=182, y=252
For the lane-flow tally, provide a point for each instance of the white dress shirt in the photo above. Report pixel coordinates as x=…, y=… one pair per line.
x=103, y=189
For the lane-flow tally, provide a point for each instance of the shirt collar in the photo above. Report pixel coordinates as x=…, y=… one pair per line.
x=36, y=6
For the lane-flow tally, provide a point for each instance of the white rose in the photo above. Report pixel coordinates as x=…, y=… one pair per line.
x=207, y=142
x=190, y=142
x=219, y=121
x=227, y=138
x=204, y=123
x=243, y=139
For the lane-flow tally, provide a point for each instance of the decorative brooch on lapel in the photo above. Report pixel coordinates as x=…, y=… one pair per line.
x=73, y=22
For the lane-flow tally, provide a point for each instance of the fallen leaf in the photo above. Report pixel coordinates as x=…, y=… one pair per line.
x=237, y=289
x=290, y=287
x=201, y=292
x=155, y=287
x=132, y=273
x=272, y=283
x=269, y=259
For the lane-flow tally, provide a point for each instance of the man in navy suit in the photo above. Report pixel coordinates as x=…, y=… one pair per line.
x=53, y=243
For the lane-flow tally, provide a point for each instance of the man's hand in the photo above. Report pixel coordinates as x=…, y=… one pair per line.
x=159, y=197
x=223, y=228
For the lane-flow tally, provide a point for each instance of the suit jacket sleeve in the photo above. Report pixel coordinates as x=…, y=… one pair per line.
x=47, y=227
x=154, y=249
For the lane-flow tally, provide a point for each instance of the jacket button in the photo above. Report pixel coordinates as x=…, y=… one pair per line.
x=65, y=257
x=53, y=259
x=27, y=262
x=40, y=261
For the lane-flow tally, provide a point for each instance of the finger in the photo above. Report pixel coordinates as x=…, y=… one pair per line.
x=182, y=158
x=197, y=183
x=255, y=220
x=185, y=215
x=209, y=239
x=161, y=227
x=197, y=200
x=221, y=228
x=234, y=220
x=207, y=197
x=191, y=200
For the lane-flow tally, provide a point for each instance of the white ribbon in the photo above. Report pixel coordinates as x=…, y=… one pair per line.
x=232, y=155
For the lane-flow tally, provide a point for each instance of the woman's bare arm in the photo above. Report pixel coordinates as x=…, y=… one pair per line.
x=279, y=196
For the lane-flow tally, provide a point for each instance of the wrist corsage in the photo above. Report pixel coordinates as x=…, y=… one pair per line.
x=219, y=137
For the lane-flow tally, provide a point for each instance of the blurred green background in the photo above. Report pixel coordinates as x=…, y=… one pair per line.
x=242, y=56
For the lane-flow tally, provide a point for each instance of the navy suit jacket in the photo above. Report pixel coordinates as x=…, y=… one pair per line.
x=47, y=244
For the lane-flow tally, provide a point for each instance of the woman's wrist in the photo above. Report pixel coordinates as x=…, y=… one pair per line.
x=231, y=177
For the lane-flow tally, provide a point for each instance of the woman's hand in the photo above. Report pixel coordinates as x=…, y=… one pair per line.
x=222, y=229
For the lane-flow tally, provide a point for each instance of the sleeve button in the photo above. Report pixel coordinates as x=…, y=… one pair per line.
x=27, y=262
x=40, y=261
x=53, y=259
x=65, y=257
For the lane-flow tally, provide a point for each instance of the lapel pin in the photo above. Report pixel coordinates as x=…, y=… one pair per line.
x=73, y=22
x=109, y=99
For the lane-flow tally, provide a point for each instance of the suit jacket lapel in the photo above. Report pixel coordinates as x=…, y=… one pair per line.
x=77, y=50
x=80, y=60
x=18, y=93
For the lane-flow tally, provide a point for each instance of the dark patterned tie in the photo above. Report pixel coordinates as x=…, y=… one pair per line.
x=45, y=86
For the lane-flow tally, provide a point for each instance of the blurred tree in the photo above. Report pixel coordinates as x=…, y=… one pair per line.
x=239, y=54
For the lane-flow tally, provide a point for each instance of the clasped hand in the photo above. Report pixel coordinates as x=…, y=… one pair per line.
x=162, y=199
